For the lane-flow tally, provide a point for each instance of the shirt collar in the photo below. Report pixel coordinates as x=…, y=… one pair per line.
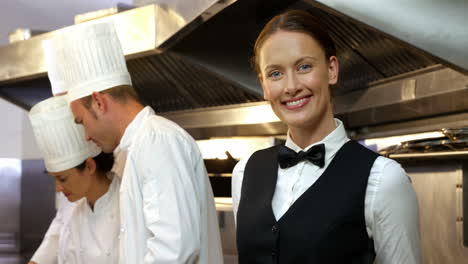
x=120, y=152
x=103, y=202
x=333, y=141
x=131, y=129
x=120, y=157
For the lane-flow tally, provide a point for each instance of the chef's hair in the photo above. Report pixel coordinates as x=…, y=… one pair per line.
x=104, y=162
x=120, y=93
x=294, y=21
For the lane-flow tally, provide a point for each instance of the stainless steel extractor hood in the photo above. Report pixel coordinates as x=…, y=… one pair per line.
x=195, y=55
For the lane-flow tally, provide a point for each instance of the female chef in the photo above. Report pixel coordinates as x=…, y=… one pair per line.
x=321, y=197
x=82, y=173
x=54, y=55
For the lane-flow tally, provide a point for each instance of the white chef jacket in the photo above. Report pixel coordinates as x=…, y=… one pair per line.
x=92, y=235
x=46, y=253
x=167, y=208
x=391, y=207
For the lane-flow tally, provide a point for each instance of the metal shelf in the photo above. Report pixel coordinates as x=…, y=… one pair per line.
x=432, y=155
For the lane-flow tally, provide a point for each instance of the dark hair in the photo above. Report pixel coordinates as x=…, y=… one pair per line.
x=296, y=21
x=104, y=162
x=120, y=93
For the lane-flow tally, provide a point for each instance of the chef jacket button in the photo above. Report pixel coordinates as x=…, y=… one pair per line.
x=108, y=254
x=274, y=229
x=122, y=230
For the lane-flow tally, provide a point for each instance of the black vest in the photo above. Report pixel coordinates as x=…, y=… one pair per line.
x=326, y=225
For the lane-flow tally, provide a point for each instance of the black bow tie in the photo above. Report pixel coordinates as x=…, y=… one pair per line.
x=288, y=157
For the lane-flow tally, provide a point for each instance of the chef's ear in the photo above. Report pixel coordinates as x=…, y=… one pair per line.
x=90, y=165
x=100, y=103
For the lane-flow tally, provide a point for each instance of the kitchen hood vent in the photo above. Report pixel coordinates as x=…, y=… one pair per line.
x=195, y=55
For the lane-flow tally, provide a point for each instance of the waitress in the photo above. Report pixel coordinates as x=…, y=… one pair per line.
x=82, y=173
x=321, y=197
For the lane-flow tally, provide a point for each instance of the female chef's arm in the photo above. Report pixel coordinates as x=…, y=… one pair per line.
x=47, y=251
x=171, y=197
x=395, y=216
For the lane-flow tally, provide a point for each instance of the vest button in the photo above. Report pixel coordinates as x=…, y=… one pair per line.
x=273, y=253
x=274, y=229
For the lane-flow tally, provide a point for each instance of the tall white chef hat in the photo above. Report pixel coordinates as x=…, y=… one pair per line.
x=94, y=60
x=61, y=141
x=55, y=57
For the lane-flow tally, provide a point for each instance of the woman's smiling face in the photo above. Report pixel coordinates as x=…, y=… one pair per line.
x=295, y=76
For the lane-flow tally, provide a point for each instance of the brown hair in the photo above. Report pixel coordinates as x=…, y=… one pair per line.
x=296, y=21
x=119, y=93
x=104, y=163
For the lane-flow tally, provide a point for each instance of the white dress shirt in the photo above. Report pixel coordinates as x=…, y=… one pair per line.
x=46, y=253
x=168, y=213
x=92, y=235
x=391, y=207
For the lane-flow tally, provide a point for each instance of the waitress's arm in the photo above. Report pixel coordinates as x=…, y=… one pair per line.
x=392, y=214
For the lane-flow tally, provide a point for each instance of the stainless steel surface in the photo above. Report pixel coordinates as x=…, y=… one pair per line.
x=223, y=204
x=219, y=174
x=435, y=92
x=254, y=113
x=37, y=205
x=402, y=127
x=439, y=155
x=190, y=10
x=254, y=119
x=21, y=34
x=456, y=133
x=141, y=31
x=438, y=186
x=227, y=229
x=27, y=207
x=10, y=205
x=101, y=13
x=12, y=259
x=25, y=59
x=436, y=27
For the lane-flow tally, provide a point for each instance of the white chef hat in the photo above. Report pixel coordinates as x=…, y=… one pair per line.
x=94, y=60
x=61, y=141
x=54, y=55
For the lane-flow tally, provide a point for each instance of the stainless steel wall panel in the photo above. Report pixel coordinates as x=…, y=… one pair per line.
x=10, y=203
x=37, y=205
x=438, y=186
